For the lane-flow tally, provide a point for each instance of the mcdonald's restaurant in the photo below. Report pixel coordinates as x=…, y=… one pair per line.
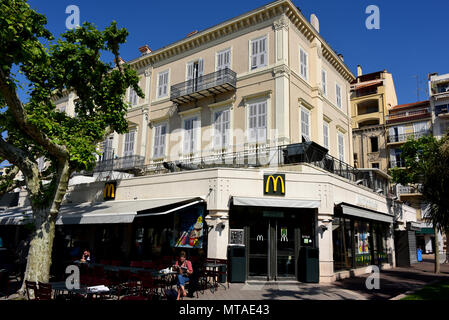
x=295, y=223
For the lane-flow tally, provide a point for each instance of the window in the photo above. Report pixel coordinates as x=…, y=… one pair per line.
x=224, y=59
x=106, y=147
x=341, y=147
x=375, y=165
x=326, y=134
x=132, y=97
x=338, y=92
x=324, y=82
x=258, y=122
x=374, y=144
x=129, y=143
x=221, y=128
x=159, y=140
x=190, y=126
x=195, y=71
x=420, y=127
x=303, y=59
x=258, y=53
x=162, y=87
x=305, y=124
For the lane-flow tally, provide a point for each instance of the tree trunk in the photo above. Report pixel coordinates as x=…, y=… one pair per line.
x=437, y=252
x=447, y=247
x=41, y=245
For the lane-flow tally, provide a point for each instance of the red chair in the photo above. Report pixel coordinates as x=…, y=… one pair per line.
x=136, y=264
x=44, y=291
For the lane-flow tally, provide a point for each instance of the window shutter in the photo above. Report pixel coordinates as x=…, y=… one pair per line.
x=254, y=53
x=252, y=122
x=165, y=88
x=262, y=122
x=217, y=128
x=226, y=126
x=187, y=135
x=262, y=52
x=157, y=132
x=200, y=67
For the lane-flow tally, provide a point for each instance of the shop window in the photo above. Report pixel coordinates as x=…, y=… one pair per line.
x=362, y=241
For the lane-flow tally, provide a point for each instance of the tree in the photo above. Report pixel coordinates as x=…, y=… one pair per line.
x=35, y=128
x=427, y=163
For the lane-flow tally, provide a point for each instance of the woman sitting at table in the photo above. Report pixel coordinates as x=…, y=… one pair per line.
x=86, y=256
x=184, y=268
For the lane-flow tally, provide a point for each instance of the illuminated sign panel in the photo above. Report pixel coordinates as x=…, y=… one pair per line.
x=274, y=184
x=110, y=189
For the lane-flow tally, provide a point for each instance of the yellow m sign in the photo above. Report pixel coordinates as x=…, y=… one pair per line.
x=274, y=184
x=109, y=191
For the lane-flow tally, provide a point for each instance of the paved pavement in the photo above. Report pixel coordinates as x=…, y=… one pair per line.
x=393, y=282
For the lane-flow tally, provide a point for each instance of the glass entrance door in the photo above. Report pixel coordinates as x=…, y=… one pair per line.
x=258, y=250
x=285, y=250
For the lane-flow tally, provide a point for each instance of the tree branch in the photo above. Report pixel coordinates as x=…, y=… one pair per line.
x=19, y=114
x=24, y=162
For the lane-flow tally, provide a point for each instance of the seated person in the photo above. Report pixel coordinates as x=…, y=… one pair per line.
x=86, y=256
x=184, y=267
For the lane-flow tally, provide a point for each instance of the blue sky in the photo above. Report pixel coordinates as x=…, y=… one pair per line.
x=412, y=39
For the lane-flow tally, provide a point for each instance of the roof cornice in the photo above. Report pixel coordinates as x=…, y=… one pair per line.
x=256, y=16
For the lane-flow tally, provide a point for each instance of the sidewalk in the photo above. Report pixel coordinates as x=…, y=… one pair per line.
x=393, y=282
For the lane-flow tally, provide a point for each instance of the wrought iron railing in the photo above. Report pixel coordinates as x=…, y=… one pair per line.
x=399, y=115
x=409, y=189
x=266, y=156
x=208, y=81
x=405, y=136
x=119, y=164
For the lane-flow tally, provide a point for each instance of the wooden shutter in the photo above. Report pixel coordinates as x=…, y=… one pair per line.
x=262, y=122
x=262, y=52
x=254, y=53
x=252, y=122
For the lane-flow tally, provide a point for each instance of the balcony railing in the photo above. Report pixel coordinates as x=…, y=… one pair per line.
x=442, y=110
x=406, y=136
x=120, y=164
x=266, y=156
x=211, y=84
x=405, y=114
x=397, y=163
x=409, y=189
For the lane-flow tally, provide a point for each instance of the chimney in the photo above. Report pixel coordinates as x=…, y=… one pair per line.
x=315, y=22
x=192, y=33
x=120, y=61
x=145, y=50
x=341, y=57
x=359, y=71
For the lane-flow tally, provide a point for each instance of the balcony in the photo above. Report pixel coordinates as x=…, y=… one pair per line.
x=209, y=85
x=409, y=190
x=266, y=156
x=129, y=163
x=397, y=163
x=408, y=115
x=402, y=138
x=442, y=111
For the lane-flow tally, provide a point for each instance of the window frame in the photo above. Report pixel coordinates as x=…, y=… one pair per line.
x=326, y=125
x=338, y=98
x=258, y=54
x=341, y=147
x=324, y=83
x=257, y=116
x=304, y=110
x=303, y=52
x=229, y=129
x=167, y=71
x=159, y=155
x=125, y=142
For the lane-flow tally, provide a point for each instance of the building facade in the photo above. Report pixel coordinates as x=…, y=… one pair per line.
x=244, y=137
x=372, y=95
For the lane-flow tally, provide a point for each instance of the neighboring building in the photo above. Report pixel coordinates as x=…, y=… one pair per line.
x=439, y=103
x=372, y=95
x=244, y=136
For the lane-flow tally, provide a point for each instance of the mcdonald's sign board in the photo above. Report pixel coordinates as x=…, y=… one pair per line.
x=274, y=184
x=110, y=189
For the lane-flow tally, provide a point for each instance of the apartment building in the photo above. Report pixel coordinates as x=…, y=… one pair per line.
x=372, y=95
x=244, y=137
x=439, y=103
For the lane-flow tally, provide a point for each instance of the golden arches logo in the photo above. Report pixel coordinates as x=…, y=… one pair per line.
x=275, y=184
x=109, y=191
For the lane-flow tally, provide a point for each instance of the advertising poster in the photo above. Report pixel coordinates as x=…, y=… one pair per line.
x=190, y=228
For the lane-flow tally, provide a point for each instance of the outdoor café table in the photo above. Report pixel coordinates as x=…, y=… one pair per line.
x=167, y=276
x=60, y=288
x=214, y=267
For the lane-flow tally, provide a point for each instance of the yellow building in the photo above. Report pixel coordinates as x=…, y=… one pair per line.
x=372, y=95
